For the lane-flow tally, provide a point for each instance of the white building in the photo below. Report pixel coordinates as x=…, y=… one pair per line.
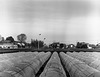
x=7, y=45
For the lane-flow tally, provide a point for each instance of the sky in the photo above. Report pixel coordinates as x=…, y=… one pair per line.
x=67, y=21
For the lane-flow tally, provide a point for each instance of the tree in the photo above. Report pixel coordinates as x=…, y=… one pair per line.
x=3, y=38
x=34, y=43
x=22, y=37
x=0, y=38
x=54, y=45
x=10, y=38
x=82, y=45
x=62, y=45
x=45, y=46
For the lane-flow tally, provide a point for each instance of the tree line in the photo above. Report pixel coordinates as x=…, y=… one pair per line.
x=21, y=41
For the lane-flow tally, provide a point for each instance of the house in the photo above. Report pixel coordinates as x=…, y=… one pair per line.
x=6, y=44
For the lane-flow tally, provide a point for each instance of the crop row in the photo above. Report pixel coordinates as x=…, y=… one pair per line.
x=90, y=58
x=77, y=68
x=25, y=64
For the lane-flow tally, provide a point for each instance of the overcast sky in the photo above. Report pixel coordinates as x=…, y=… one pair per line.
x=66, y=21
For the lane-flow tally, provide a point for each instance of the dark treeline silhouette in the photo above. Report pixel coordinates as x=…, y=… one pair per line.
x=37, y=43
x=82, y=45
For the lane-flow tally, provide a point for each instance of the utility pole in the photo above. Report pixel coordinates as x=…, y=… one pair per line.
x=38, y=41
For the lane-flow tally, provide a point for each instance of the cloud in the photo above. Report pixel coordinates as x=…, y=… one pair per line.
x=28, y=10
x=62, y=20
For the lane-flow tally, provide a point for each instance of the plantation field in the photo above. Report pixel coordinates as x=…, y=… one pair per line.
x=50, y=64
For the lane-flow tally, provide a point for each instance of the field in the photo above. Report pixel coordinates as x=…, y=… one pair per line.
x=50, y=63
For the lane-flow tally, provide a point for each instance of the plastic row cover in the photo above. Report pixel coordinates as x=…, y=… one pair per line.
x=77, y=68
x=95, y=64
x=26, y=69
x=40, y=60
x=8, y=56
x=5, y=64
x=87, y=59
x=5, y=56
x=53, y=67
x=92, y=60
